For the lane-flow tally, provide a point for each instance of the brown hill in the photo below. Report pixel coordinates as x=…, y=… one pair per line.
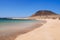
x=43, y=12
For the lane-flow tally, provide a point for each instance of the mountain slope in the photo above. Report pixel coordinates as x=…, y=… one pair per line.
x=43, y=12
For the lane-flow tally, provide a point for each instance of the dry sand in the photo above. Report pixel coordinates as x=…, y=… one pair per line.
x=49, y=31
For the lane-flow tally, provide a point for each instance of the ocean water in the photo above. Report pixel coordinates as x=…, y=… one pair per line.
x=15, y=20
x=8, y=26
x=8, y=21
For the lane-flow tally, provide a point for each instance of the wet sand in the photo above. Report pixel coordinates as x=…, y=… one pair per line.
x=10, y=33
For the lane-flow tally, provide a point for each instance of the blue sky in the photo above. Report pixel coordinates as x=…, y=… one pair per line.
x=25, y=8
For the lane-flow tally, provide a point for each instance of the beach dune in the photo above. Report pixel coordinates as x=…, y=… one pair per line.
x=49, y=31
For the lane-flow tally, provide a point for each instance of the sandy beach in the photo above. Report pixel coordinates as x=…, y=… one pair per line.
x=49, y=31
x=29, y=19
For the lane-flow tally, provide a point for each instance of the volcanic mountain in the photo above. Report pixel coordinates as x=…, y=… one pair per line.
x=43, y=13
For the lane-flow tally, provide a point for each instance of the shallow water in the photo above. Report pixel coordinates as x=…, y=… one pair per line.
x=7, y=26
x=7, y=21
x=10, y=29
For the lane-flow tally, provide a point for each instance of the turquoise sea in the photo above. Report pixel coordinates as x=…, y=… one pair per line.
x=8, y=21
x=19, y=23
x=15, y=20
x=13, y=25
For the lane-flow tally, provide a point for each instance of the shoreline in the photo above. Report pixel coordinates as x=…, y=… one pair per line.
x=13, y=35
